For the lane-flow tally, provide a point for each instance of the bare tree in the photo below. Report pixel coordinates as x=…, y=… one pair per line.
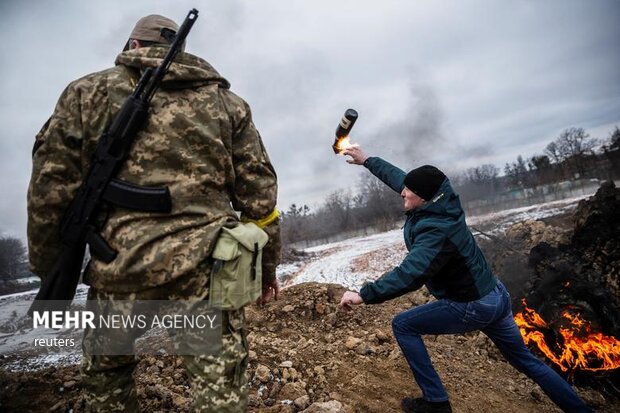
x=381, y=204
x=12, y=257
x=338, y=207
x=477, y=182
x=295, y=223
x=482, y=174
x=575, y=142
x=572, y=147
x=553, y=152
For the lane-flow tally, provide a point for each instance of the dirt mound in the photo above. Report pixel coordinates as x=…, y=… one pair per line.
x=582, y=276
x=533, y=232
x=596, y=236
x=49, y=390
x=307, y=356
x=584, y=273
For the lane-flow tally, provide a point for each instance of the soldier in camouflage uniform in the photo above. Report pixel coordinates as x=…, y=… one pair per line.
x=201, y=143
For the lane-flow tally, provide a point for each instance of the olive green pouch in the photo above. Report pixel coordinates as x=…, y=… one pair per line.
x=237, y=275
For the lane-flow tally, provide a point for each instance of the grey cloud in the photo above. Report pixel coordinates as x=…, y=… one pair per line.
x=455, y=83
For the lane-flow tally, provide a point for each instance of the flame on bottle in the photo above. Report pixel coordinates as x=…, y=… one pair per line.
x=344, y=143
x=577, y=348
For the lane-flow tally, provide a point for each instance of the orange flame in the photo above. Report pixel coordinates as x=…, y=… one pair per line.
x=581, y=349
x=344, y=143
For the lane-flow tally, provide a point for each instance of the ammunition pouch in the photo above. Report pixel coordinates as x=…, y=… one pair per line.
x=237, y=277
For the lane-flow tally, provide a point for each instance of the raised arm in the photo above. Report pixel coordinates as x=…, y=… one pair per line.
x=389, y=174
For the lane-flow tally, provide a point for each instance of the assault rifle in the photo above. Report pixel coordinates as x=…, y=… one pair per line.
x=78, y=227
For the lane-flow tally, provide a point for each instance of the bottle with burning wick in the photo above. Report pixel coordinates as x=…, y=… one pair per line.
x=342, y=141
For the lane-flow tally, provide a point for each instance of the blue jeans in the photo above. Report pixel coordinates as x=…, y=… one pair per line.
x=492, y=314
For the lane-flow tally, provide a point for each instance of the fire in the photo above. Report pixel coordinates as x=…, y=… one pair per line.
x=344, y=143
x=578, y=348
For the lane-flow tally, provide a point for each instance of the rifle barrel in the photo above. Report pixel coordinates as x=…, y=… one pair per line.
x=172, y=52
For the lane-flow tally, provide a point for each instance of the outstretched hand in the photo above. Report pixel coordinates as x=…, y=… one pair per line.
x=350, y=299
x=358, y=156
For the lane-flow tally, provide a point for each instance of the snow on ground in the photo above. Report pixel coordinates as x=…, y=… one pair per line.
x=334, y=266
x=286, y=270
x=503, y=219
x=17, y=336
x=28, y=280
x=42, y=361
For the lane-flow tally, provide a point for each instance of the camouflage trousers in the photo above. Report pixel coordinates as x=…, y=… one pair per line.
x=218, y=382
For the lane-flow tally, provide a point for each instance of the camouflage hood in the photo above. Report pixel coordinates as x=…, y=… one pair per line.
x=186, y=71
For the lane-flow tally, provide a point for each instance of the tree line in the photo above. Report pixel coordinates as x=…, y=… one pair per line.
x=573, y=154
x=374, y=204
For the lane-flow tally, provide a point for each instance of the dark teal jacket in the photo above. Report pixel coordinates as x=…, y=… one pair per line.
x=443, y=254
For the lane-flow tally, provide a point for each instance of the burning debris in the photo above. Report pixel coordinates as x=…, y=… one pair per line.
x=578, y=348
x=342, y=140
x=576, y=289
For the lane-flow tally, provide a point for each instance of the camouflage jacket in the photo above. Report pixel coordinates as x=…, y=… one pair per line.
x=199, y=141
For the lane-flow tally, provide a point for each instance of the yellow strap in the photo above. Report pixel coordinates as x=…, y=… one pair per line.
x=263, y=222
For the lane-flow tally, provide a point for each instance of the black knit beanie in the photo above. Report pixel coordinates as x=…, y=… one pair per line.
x=424, y=181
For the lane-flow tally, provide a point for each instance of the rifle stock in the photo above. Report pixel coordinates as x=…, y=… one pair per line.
x=59, y=285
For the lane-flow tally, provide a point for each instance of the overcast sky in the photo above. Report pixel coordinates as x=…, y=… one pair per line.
x=454, y=83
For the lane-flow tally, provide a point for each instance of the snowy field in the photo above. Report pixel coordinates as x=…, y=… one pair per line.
x=17, y=335
x=331, y=264
x=500, y=221
x=334, y=265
